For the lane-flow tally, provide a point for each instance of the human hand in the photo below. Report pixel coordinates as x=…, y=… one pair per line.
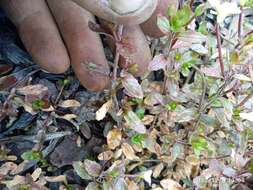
x=56, y=33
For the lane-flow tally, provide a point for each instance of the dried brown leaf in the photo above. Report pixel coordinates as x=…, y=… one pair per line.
x=107, y=155
x=129, y=151
x=101, y=113
x=70, y=104
x=169, y=184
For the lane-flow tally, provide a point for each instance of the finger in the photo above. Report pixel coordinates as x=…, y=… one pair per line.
x=138, y=55
x=84, y=46
x=150, y=26
x=38, y=33
x=120, y=11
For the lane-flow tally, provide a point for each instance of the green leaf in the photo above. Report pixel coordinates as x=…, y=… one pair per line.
x=163, y=24
x=171, y=106
x=202, y=28
x=138, y=139
x=251, y=165
x=38, y=104
x=32, y=155
x=246, y=3
x=249, y=39
x=181, y=19
x=140, y=112
x=114, y=173
x=199, y=144
x=199, y=10
x=24, y=187
x=178, y=56
x=236, y=113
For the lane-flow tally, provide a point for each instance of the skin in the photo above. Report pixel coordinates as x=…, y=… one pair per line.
x=149, y=27
x=56, y=34
x=140, y=54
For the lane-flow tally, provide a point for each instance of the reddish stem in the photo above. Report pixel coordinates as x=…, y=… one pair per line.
x=219, y=50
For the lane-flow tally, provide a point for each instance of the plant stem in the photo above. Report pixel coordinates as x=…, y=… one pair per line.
x=219, y=50
x=118, y=37
x=240, y=24
x=167, y=54
x=202, y=99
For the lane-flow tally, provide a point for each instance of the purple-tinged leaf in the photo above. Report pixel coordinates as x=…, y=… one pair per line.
x=134, y=122
x=92, y=168
x=158, y=62
x=132, y=86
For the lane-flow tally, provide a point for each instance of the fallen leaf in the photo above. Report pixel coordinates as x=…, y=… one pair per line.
x=101, y=113
x=148, y=119
x=7, y=167
x=54, y=179
x=193, y=160
x=107, y=155
x=114, y=138
x=36, y=174
x=169, y=184
x=147, y=176
x=132, y=185
x=129, y=151
x=247, y=116
x=17, y=180
x=158, y=169
x=69, y=104
x=36, y=90
x=68, y=117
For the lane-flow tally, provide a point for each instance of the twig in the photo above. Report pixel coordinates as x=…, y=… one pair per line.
x=59, y=95
x=219, y=51
x=191, y=3
x=240, y=24
x=218, y=157
x=247, y=98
